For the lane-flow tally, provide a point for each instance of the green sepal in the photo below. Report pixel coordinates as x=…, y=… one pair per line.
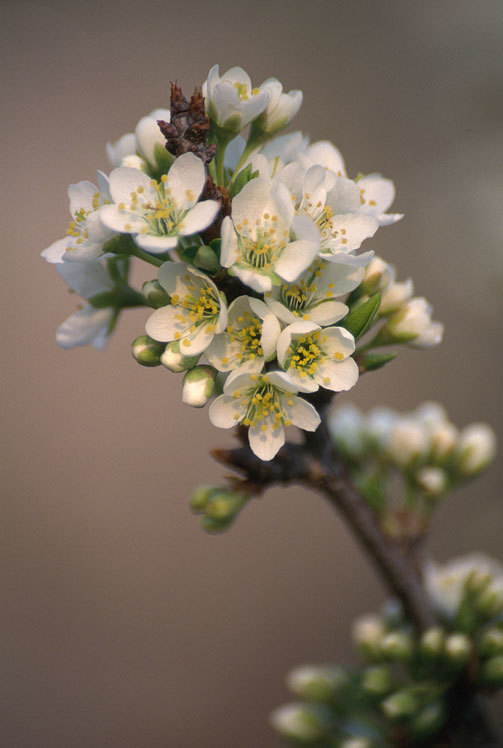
x=118, y=298
x=188, y=254
x=361, y=318
x=206, y=259
x=122, y=244
x=374, y=361
x=163, y=158
x=244, y=176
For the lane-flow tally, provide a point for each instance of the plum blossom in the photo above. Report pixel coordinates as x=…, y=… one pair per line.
x=280, y=110
x=264, y=241
x=197, y=311
x=249, y=339
x=314, y=357
x=85, y=235
x=412, y=324
x=138, y=149
x=231, y=101
x=158, y=212
x=266, y=403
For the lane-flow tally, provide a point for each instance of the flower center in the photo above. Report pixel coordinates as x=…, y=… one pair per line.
x=200, y=306
x=77, y=228
x=242, y=91
x=265, y=405
x=162, y=217
x=263, y=251
x=306, y=354
x=248, y=335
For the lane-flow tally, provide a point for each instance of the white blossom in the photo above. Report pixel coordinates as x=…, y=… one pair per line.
x=432, y=480
x=266, y=403
x=249, y=339
x=376, y=196
x=312, y=296
x=264, y=241
x=445, y=583
x=296, y=722
x=197, y=311
x=158, y=212
x=395, y=295
x=407, y=441
x=281, y=108
x=476, y=448
x=231, y=101
x=138, y=149
x=88, y=325
x=314, y=357
x=86, y=234
x=412, y=324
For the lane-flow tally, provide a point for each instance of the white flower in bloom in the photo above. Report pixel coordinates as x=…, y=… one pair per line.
x=264, y=241
x=333, y=203
x=231, y=101
x=322, y=153
x=280, y=110
x=445, y=582
x=312, y=295
x=376, y=196
x=86, y=234
x=87, y=325
x=249, y=339
x=286, y=147
x=314, y=357
x=138, y=149
x=158, y=212
x=476, y=448
x=196, y=313
x=407, y=441
x=412, y=323
x=266, y=403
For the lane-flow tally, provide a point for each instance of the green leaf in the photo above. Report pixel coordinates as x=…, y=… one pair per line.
x=188, y=254
x=206, y=259
x=373, y=361
x=244, y=176
x=361, y=318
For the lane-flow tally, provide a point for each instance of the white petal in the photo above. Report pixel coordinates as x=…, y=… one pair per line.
x=186, y=180
x=328, y=312
x=222, y=412
x=252, y=202
x=222, y=347
x=125, y=146
x=198, y=341
x=163, y=324
x=148, y=135
x=344, y=197
x=125, y=180
x=85, y=278
x=172, y=276
x=55, y=252
x=199, y=217
x=156, y=245
x=281, y=380
x=378, y=193
x=266, y=444
x=233, y=152
x=302, y=383
x=303, y=415
x=357, y=228
x=255, y=280
x=341, y=375
x=84, y=327
x=117, y=220
x=229, y=246
x=337, y=339
x=325, y=153
x=281, y=312
x=295, y=258
x=81, y=196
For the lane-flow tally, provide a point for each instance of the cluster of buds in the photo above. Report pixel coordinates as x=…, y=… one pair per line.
x=218, y=506
x=260, y=295
x=402, y=691
x=427, y=451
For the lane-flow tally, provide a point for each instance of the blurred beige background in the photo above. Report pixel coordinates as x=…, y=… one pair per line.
x=123, y=624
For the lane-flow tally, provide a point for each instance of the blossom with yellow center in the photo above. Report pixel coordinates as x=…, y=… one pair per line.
x=158, y=212
x=85, y=235
x=231, y=101
x=266, y=403
x=316, y=357
x=197, y=311
x=249, y=339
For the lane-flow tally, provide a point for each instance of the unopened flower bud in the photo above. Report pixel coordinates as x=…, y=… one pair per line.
x=412, y=325
x=476, y=448
x=395, y=295
x=491, y=643
x=490, y=602
x=432, y=480
x=368, y=633
x=400, y=705
x=173, y=360
x=397, y=646
x=407, y=442
x=280, y=110
x=198, y=386
x=223, y=505
x=355, y=743
x=432, y=643
x=147, y=351
x=378, y=275
x=458, y=649
x=492, y=672
x=377, y=681
x=155, y=294
x=317, y=682
x=300, y=722
x=428, y=720
x=200, y=498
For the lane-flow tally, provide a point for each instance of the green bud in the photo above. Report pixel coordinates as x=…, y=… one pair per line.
x=147, y=351
x=317, y=682
x=302, y=723
x=429, y=720
x=431, y=645
x=355, y=743
x=198, y=386
x=458, y=649
x=200, y=498
x=491, y=643
x=492, y=672
x=173, y=360
x=223, y=505
x=155, y=294
x=368, y=633
x=400, y=705
x=206, y=259
x=377, y=681
x=490, y=602
x=397, y=646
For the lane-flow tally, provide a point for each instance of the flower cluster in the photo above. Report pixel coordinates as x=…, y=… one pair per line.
x=403, y=687
x=261, y=294
x=424, y=447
